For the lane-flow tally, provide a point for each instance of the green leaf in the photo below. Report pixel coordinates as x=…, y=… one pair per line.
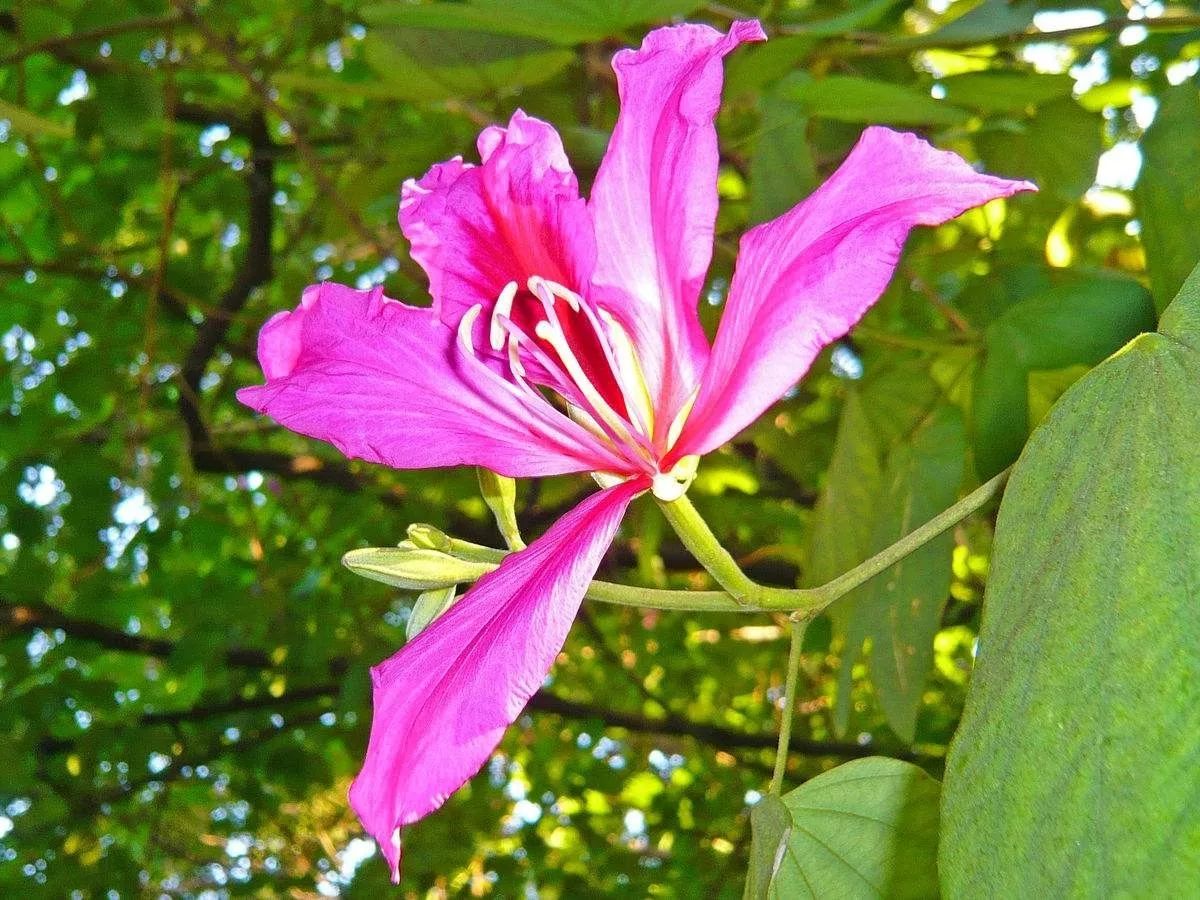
x=754, y=67
x=1168, y=205
x=989, y=19
x=900, y=610
x=770, y=822
x=858, y=17
x=898, y=459
x=995, y=91
x=868, y=828
x=563, y=22
x=1077, y=322
x=841, y=529
x=25, y=122
x=430, y=66
x=1073, y=774
x=848, y=98
x=782, y=170
x=1058, y=148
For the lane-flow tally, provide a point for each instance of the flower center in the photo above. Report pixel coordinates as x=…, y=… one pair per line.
x=553, y=340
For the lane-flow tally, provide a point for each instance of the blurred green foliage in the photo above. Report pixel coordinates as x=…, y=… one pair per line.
x=183, y=662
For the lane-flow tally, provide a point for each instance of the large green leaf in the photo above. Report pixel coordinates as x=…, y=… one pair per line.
x=564, y=22
x=900, y=609
x=1077, y=322
x=1171, y=157
x=866, y=829
x=849, y=98
x=1074, y=771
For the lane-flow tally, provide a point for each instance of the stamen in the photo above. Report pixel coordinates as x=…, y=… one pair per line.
x=466, y=325
x=581, y=417
x=547, y=291
x=514, y=361
x=676, y=428
x=503, y=307
x=627, y=369
x=553, y=335
x=555, y=290
x=545, y=414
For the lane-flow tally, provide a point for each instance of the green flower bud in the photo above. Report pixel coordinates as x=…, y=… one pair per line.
x=500, y=494
x=413, y=568
x=428, y=538
x=429, y=606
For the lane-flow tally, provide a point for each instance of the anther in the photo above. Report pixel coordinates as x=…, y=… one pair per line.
x=503, y=307
x=466, y=327
x=554, y=289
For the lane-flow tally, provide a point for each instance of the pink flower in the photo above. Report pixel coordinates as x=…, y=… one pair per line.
x=539, y=293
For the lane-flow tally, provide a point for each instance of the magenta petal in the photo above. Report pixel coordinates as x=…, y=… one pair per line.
x=804, y=279
x=654, y=202
x=476, y=228
x=443, y=702
x=388, y=383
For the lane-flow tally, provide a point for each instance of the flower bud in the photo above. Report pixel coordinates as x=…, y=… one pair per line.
x=500, y=494
x=428, y=538
x=413, y=568
x=429, y=606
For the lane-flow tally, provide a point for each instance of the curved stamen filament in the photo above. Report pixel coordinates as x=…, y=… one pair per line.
x=553, y=335
x=575, y=399
x=627, y=369
x=544, y=412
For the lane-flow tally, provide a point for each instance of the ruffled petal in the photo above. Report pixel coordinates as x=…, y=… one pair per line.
x=389, y=383
x=654, y=202
x=443, y=702
x=476, y=228
x=804, y=279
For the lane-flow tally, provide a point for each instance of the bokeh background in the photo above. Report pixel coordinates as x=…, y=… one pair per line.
x=183, y=660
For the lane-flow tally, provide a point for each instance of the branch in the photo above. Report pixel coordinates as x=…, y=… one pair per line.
x=52, y=45
x=265, y=96
x=28, y=616
x=255, y=270
x=40, y=615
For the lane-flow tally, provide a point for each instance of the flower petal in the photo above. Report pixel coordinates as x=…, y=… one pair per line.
x=388, y=383
x=804, y=279
x=443, y=702
x=476, y=228
x=654, y=201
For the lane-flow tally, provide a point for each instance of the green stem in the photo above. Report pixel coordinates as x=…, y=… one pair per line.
x=741, y=594
x=911, y=542
x=703, y=544
x=789, y=708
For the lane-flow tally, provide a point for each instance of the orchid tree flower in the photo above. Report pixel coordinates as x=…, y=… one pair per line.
x=564, y=337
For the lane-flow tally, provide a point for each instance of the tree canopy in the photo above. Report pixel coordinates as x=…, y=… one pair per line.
x=184, y=659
